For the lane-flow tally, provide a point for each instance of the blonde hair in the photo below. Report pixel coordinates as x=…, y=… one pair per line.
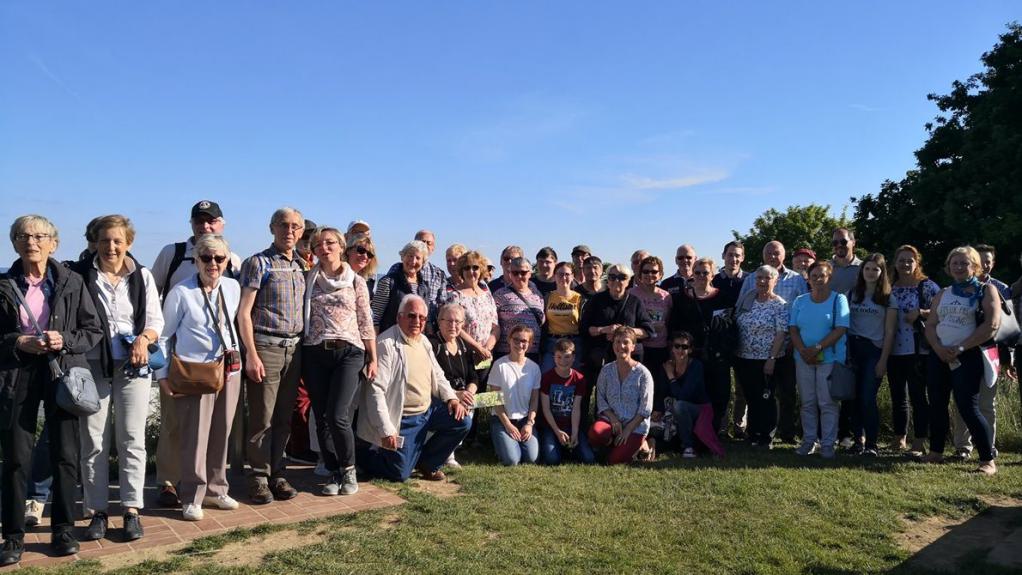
x=366, y=241
x=967, y=251
x=101, y=223
x=23, y=222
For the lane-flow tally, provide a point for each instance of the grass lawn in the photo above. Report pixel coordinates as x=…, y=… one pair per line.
x=752, y=512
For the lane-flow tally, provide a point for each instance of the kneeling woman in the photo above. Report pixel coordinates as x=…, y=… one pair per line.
x=624, y=401
x=683, y=380
x=512, y=424
x=199, y=316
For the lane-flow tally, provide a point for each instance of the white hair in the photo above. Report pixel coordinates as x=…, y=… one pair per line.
x=768, y=270
x=408, y=300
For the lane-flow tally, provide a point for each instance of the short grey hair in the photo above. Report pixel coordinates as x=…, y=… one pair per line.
x=211, y=242
x=23, y=222
x=768, y=270
x=453, y=307
x=281, y=213
x=408, y=300
x=520, y=263
x=417, y=245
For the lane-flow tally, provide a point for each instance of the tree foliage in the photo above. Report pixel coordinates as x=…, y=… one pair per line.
x=966, y=186
x=810, y=227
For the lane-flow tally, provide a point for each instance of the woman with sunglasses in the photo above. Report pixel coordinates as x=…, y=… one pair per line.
x=125, y=295
x=199, y=315
x=480, y=330
x=692, y=311
x=680, y=378
x=657, y=303
x=360, y=254
x=955, y=367
x=519, y=303
x=563, y=312
x=338, y=342
x=603, y=314
x=624, y=400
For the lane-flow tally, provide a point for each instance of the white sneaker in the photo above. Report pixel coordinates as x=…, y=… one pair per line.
x=192, y=512
x=689, y=453
x=452, y=462
x=847, y=443
x=225, y=502
x=33, y=512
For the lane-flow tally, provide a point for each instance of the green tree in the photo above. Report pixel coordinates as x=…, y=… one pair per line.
x=965, y=187
x=809, y=226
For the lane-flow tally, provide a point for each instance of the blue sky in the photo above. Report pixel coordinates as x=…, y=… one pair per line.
x=620, y=125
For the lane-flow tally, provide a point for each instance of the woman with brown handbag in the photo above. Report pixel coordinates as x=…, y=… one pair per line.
x=203, y=375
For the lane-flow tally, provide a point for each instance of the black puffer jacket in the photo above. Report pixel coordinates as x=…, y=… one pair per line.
x=72, y=313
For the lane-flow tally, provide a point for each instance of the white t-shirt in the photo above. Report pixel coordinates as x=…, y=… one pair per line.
x=517, y=383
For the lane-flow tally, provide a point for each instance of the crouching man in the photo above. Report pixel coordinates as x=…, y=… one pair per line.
x=409, y=399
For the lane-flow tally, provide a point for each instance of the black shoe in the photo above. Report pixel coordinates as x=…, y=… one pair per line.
x=97, y=527
x=132, y=527
x=63, y=543
x=168, y=497
x=282, y=490
x=11, y=552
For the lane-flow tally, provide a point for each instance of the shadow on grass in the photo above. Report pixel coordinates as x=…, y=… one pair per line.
x=990, y=542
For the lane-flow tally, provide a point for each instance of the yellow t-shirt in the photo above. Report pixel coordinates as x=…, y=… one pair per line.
x=562, y=313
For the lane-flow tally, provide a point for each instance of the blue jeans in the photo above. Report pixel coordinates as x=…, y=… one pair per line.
x=509, y=451
x=551, y=449
x=685, y=415
x=866, y=418
x=428, y=455
x=548, y=351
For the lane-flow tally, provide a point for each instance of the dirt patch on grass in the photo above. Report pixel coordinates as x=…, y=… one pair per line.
x=441, y=489
x=251, y=552
x=941, y=543
x=389, y=521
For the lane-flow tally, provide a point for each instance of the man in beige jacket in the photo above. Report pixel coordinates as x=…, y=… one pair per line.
x=409, y=399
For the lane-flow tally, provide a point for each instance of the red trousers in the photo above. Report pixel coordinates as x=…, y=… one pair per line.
x=600, y=435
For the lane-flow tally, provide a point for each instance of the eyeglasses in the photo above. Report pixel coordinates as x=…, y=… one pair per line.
x=703, y=273
x=206, y=258
x=520, y=273
x=325, y=244
x=415, y=317
x=453, y=320
x=363, y=252
x=684, y=346
x=841, y=242
x=617, y=277
x=290, y=227
x=651, y=272
x=37, y=237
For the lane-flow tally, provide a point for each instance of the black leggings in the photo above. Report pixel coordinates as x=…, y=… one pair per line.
x=762, y=411
x=332, y=378
x=908, y=371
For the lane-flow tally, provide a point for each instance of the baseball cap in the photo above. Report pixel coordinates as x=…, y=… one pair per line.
x=206, y=208
x=804, y=252
x=581, y=248
x=358, y=227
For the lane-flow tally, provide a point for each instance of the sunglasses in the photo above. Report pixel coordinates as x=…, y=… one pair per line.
x=208, y=258
x=650, y=272
x=415, y=316
x=839, y=243
x=684, y=346
x=617, y=277
x=364, y=252
x=703, y=273
x=470, y=268
x=520, y=273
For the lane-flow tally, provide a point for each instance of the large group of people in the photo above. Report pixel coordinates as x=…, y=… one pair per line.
x=392, y=367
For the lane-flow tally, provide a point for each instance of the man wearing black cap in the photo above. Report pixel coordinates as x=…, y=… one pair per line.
x=579, y=254
x=175, y=264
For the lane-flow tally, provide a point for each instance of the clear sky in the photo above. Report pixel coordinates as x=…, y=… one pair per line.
x=616, y=124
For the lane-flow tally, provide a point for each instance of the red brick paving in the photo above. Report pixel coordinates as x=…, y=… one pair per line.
x=165, y=526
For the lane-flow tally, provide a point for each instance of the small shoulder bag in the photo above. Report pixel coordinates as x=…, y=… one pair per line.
x=842, y=375
x=76, y=389
x=197, y=377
